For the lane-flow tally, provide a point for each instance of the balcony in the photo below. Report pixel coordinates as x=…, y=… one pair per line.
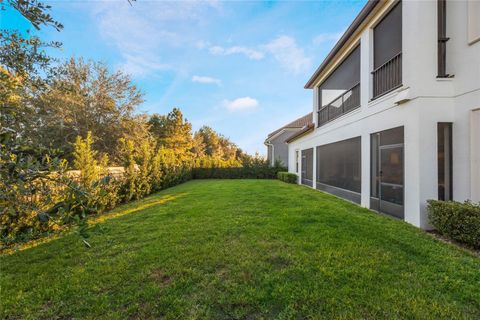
x=346, y=102
x=388, y=76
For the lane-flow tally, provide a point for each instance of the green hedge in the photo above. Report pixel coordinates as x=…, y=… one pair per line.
x=456, y=220
x=287, y=177
x=247, y=172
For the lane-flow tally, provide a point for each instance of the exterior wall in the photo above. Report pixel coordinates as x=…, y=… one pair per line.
x=426, y=101
x=270, y=153
x=281, y=147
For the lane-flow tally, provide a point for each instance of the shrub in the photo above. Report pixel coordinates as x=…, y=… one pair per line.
x=287, y=177
x=456, y=220
x=101, y=192
x=256, y=169
x=129, y=189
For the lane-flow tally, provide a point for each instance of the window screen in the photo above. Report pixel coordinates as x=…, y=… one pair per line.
x=444, y=158
x=387, y=37
x=339, y=164
x=344, y=78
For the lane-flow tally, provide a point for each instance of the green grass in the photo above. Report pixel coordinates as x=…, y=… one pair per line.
x=242, y=249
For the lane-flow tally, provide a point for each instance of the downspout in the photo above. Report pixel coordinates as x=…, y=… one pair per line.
x=273, y=152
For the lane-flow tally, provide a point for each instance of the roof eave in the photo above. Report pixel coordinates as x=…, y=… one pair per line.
x=367, y=9
x=308, y=129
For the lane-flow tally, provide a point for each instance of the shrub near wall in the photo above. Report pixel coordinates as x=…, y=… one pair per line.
x=456, y=220
x=287, y=177
x=247, y=172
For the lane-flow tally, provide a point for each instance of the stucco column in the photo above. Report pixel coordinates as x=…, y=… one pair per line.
x=366, y=58
x=411, y=185
x=314, y=172
x=365, y=154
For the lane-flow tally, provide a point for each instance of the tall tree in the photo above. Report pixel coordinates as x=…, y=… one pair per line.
x=86, y=97
x=173, y=132
x=216, y=145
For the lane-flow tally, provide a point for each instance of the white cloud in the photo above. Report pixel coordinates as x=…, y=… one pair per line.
x=326, y=37
x=249, y=53
x=206, y=80
x=285, y=50
x=239, y=104
x=143, y=32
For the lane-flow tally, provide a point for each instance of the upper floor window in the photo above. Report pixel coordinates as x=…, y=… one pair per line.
x=340, y=92
x=387, y=52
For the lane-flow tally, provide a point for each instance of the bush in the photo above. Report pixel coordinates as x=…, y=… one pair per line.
x=258, y=169
x=456, y=220
x=287, y=177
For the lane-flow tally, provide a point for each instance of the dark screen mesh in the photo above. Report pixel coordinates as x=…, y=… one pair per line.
x=339, y=164
x=342, y=79
x=387, y=40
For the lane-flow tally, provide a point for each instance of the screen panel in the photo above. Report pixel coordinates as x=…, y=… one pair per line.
x=339, y=164
x=387, y=37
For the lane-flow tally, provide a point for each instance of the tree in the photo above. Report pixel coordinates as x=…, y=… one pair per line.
x=86, y=97
x=173, y=132
x=216, y=145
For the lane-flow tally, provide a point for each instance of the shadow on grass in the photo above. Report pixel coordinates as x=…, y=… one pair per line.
x=121, y=211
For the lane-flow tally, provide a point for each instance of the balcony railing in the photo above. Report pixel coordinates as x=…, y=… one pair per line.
x=388, y=76
x=346, y=102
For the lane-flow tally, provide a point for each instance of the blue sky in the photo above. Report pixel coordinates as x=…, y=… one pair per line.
x=239, y=67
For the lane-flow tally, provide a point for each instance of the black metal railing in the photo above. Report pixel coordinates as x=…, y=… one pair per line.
x=346, y=102
x=388, y=76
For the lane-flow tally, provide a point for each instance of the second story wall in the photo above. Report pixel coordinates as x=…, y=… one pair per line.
x=419, y=60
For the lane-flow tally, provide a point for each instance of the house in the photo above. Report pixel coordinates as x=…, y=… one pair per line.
x=276, y=142
x=396, y=107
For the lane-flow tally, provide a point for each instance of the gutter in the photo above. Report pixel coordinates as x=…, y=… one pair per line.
x=306, y=130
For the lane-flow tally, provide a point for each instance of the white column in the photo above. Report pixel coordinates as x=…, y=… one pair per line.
x=315, y=92
x=365, y=149
x=314, y=172
x=366, y=60
x=411, y=185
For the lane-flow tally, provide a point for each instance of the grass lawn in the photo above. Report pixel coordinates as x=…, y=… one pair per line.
x=242, y=249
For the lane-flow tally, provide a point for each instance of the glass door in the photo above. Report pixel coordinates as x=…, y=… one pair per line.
x=391, y=179
x=307, y=167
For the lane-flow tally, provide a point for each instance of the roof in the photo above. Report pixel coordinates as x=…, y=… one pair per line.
x=301, y=133
x=295, y=124
x=366, y=10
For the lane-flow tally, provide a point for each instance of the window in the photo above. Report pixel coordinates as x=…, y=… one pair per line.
x=340, y=92
x=339, y=164
x=442, y=38
x=296, y=160
x=473, y=21
x=444, y=156
x=387, y=52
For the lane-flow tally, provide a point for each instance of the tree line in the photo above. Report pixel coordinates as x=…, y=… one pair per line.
x=64, y=124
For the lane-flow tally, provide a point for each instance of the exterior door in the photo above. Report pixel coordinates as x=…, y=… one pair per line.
x=307, y=167
x=387, y=172
x=391, y=179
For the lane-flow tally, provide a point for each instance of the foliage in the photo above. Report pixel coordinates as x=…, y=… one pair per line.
x=242, y=249
x=456, y=220
x=36, y=12
x=173, y=132
x=99, y=187
x=287, y=177
x=86, y=96
x=130, y=178
x=27, y=188
x=215, y=145
x=255, y=168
